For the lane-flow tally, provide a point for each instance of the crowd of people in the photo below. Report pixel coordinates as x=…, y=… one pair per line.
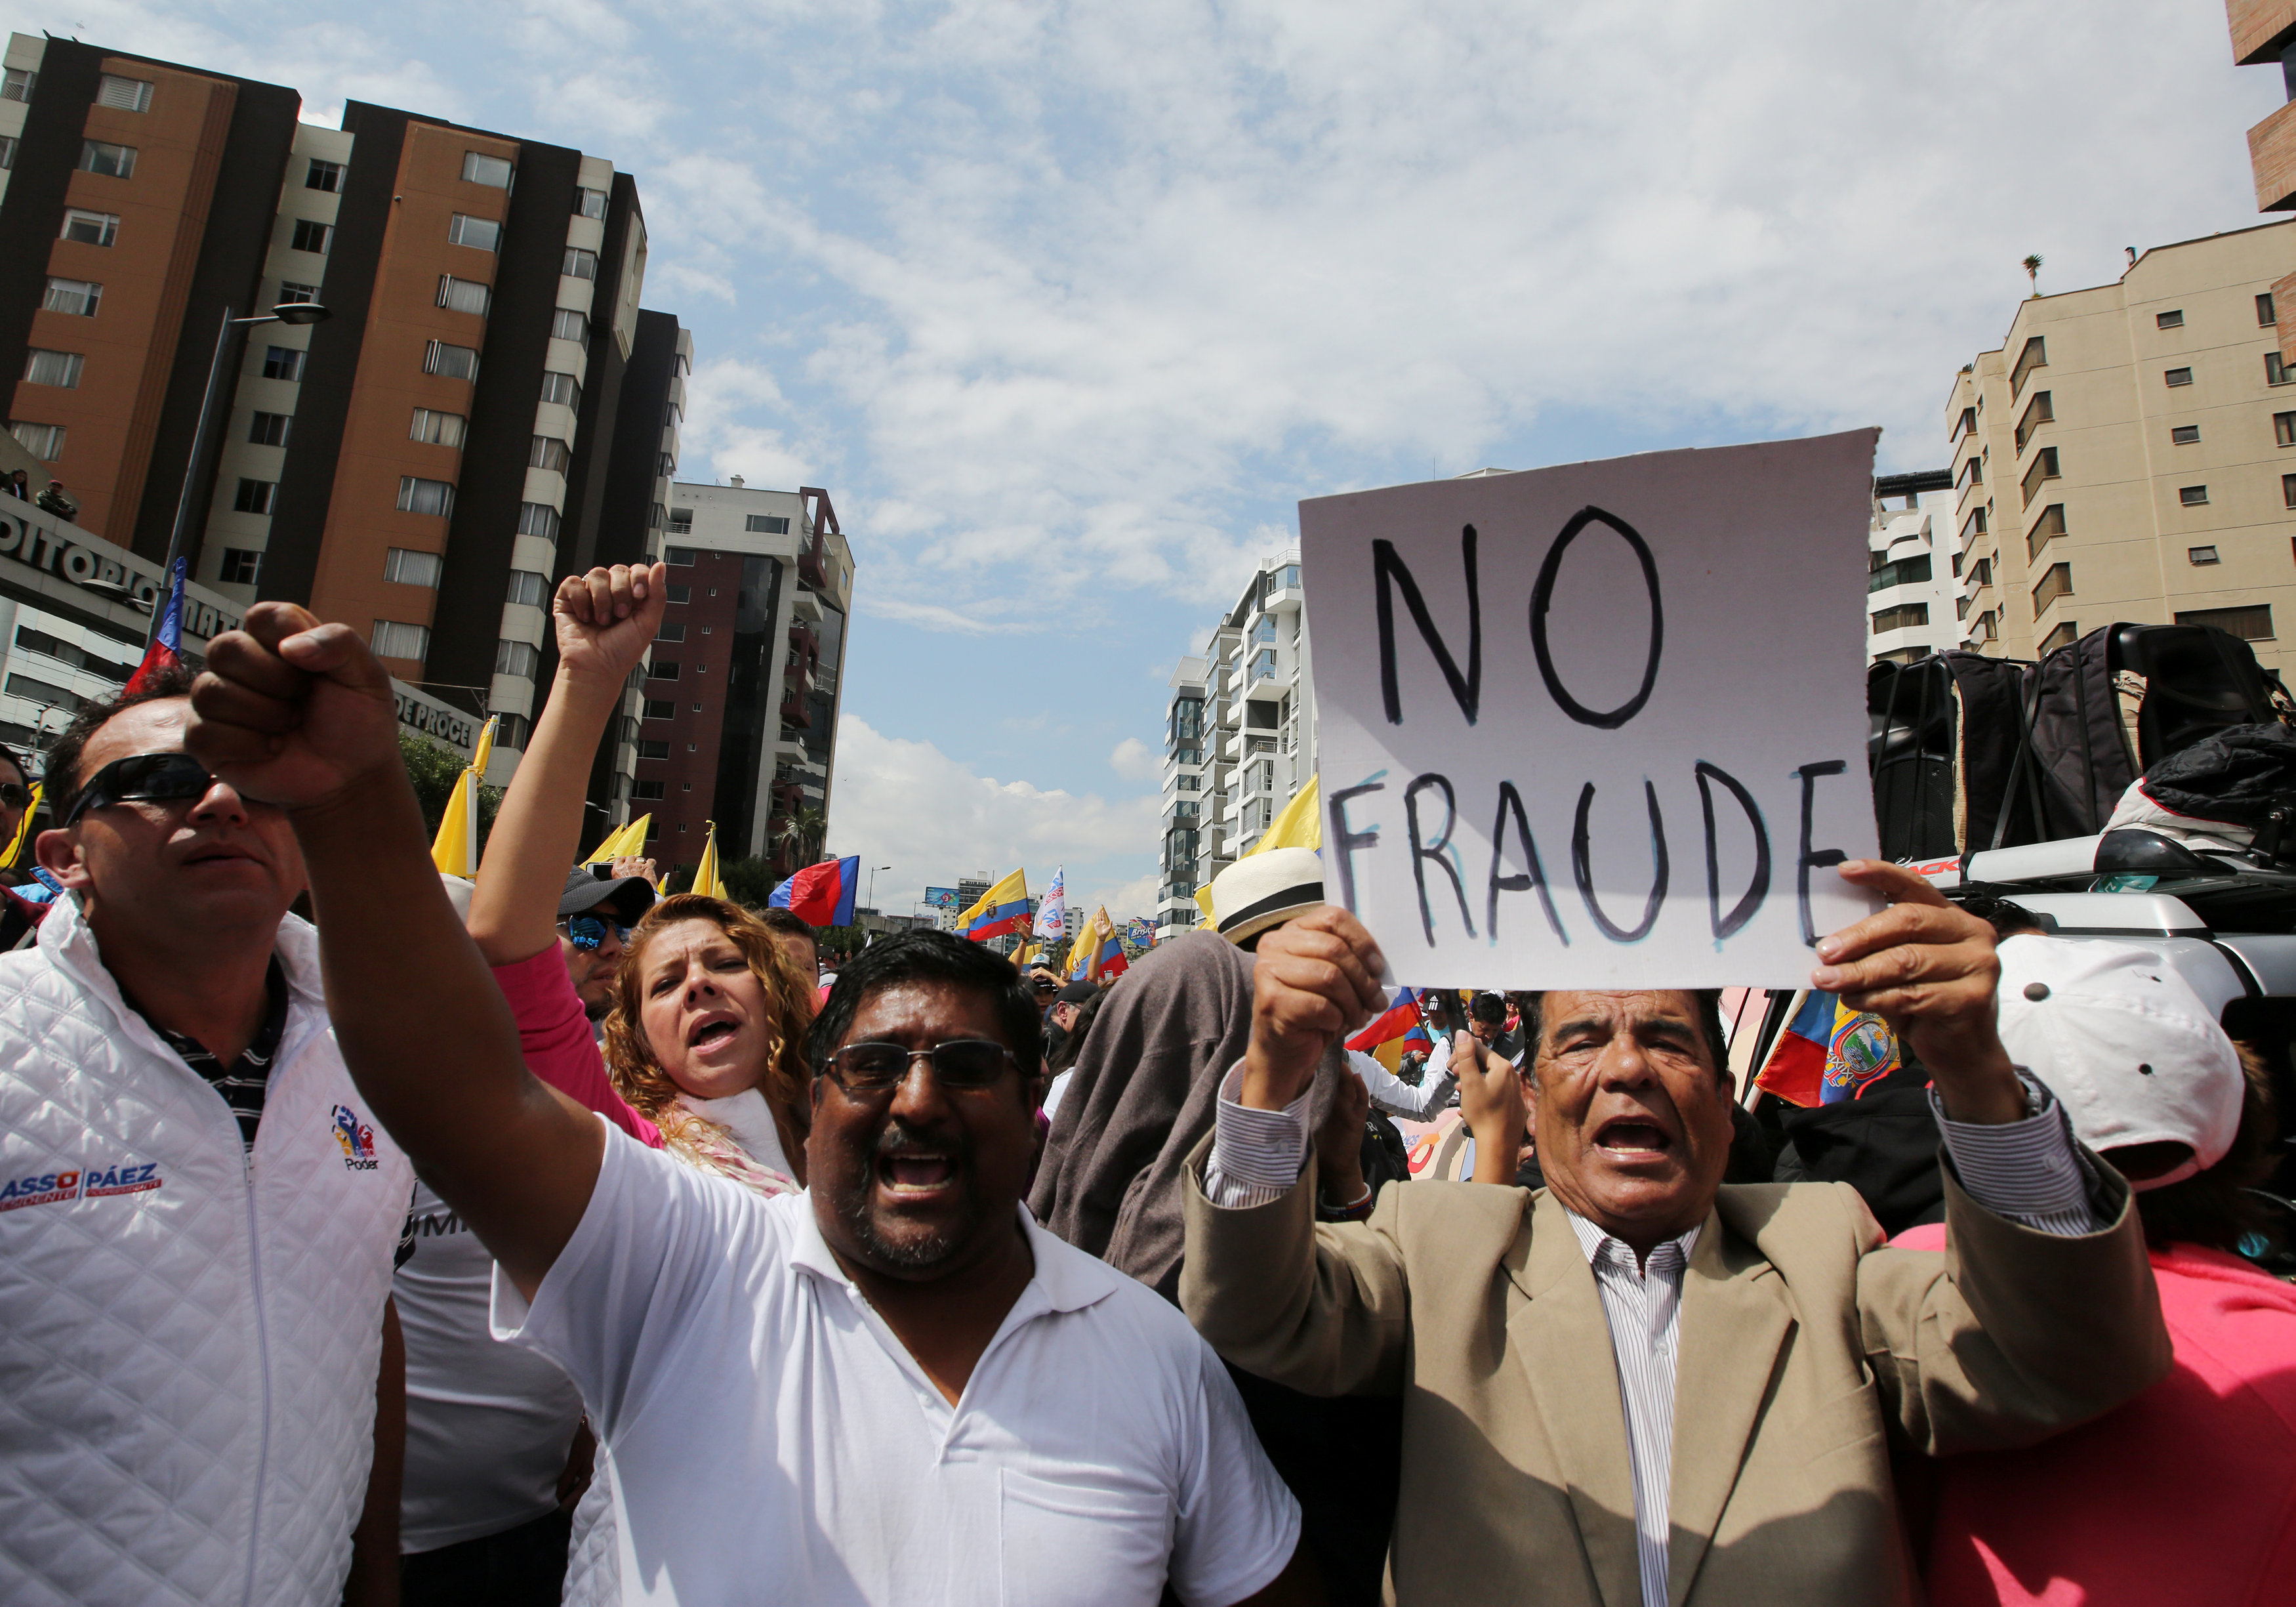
x=545, y=1238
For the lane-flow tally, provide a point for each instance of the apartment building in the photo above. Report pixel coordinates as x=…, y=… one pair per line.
x=1239, y=736
x=1912, y=569
x=2264, y=35
x=427, y=462
x=2129, y=452
x=738, y=723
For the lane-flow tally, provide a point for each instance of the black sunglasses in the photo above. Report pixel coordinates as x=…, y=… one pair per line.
x=146, y=777
x=868, y=1068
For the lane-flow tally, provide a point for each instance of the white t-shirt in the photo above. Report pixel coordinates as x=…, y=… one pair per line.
x=773, y=1441
x=487, y=1425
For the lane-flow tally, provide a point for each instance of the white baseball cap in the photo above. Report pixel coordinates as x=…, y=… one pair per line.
x=2126, y=1044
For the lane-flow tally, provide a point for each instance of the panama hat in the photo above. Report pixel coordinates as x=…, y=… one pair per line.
x=1265, y=890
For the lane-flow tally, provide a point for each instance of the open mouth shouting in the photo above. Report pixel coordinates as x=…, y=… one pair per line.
x=1634, y=1140
x=712, y=1031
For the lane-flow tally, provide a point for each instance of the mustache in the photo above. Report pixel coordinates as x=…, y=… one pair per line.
x=955, y=1141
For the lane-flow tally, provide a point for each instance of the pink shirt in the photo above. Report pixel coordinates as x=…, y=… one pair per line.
x=555, y=1034
x=2187, y=1493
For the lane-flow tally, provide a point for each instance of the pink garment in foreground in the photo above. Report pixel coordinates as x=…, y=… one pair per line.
x=2187, y=1493
x=555, y=1035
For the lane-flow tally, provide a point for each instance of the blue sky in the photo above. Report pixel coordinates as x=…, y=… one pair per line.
x=1068, y=306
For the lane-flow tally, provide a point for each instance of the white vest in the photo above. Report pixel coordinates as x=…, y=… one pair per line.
x=188, y=1335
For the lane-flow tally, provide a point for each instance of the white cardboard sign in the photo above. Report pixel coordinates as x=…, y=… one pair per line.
x=1598, y=726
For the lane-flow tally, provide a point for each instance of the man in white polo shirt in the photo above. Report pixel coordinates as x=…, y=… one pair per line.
x=895, y=1388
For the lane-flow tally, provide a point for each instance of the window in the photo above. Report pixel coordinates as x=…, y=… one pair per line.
x=538, y=519
x=567, y=325
x=1966, y=424
x=2050, y=525
x=1186, y=783
x=58, y=368
x=309, y=235
x=1981, y=574
x=434, y=498
x=7, y=150
x=2251, y=623
x=46, y=442
x=255, y=495
x=291, y=294
x=654, y=517
x=1902, y=616
x=2036, y=355
x=1974, y=525
x=2039, y=411
x=579, y=264
x=2057, y=582
x=562, y=389
x=409, y=567
x=666, y=466
x=713, y=591
x=653, y=750
x=2064, y=635
x=90, y=228
x=2192, y=496
x=670, y=633
x=463, y=295
x=113, y=162
x=680, y=556
x=512, y=730
x=1972, y=471
x=1904, y=571
x=2202, y=555
x=662, y=669
x=17, y=85
x=529, y=588
x=439, y=429
x=2284, y=429
x=478, y=167
x=267, y=430
x=326, y=176
x=2264, y=315
x=680, y=594
x=2185, y=435
x=2275, y=372
x=241, y=565
x=651, y=791
x=2288, y=490
x=522, y=659
x=2173, y=319
x=482, y=232
x=2044, y=466
x=590, y=204
x=282, y=362
x=772, y=524
x=681, y=521
x=123, y=95
x=393, y=640
x=450, y=361
x=549, y=452
x=660, y=708
x=2178, y=377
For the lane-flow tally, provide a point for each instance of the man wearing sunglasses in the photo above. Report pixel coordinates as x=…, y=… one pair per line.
x=895, y=1388
x=198, y=1210
x=595, y=914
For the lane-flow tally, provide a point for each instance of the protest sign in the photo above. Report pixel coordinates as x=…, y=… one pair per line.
x=1598, y=726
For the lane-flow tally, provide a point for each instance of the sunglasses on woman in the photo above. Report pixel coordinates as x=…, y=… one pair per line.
x=146, y=777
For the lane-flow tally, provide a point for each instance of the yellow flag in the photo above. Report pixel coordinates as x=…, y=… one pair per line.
x=706, y=880
x=455, y=848
x=1299, y=826
x=23, y=828
x=1004, y=908
x=623, y=843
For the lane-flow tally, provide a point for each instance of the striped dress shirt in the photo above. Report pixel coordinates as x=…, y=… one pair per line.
x=2030, y=1172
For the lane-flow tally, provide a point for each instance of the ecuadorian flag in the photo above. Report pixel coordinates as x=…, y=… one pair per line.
x=1827, y=1052
x=1003, y=908
x=1108, y=960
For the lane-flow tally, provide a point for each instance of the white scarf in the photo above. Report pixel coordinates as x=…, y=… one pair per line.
x=750, y=1120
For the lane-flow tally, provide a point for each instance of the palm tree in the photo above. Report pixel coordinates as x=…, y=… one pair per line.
x=800, y=832
x=2033, y=271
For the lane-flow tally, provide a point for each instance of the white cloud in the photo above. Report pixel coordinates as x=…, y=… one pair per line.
x=1135, y=760
x=910, y=805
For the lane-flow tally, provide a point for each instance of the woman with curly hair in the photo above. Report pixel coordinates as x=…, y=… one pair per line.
x=706, y=1040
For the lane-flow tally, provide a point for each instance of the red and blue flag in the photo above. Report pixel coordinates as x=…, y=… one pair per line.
x=166, y=648
x=821, y=895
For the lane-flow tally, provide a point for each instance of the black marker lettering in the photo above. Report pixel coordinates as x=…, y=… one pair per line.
x=1812, y=857
x=1344, y=843
x=1543, y=594
x=1582, y=868
x=1439, y=851
x=1387, y=569
x=1534, y=876
x=1759, y=887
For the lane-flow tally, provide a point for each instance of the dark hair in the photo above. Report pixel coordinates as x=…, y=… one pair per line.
x=1071, y=1047
x=2215, y=1208
x=924, y=955
x=61, y=777
x=788, y=921
x=2004, y=916
x=1708, y=1007
x=1489, y=1008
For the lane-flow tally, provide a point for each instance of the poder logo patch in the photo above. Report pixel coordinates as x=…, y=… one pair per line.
x=356, y=1138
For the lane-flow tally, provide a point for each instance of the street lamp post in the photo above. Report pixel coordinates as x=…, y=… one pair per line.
x=187, y=505
x=873, y=883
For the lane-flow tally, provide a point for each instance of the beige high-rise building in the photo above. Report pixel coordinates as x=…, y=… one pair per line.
x=2129, y=453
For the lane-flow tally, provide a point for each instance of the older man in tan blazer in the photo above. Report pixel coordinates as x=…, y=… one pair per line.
x=1637, y=1388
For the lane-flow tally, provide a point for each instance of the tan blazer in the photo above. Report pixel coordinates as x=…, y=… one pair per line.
x=1808, y=1349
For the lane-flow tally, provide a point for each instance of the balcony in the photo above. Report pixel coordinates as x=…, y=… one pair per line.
x=805, y=605
x=2272, y=157
x=805, y=638
x=795, y=713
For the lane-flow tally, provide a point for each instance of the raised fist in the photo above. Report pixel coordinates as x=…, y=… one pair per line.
x=293, y=712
